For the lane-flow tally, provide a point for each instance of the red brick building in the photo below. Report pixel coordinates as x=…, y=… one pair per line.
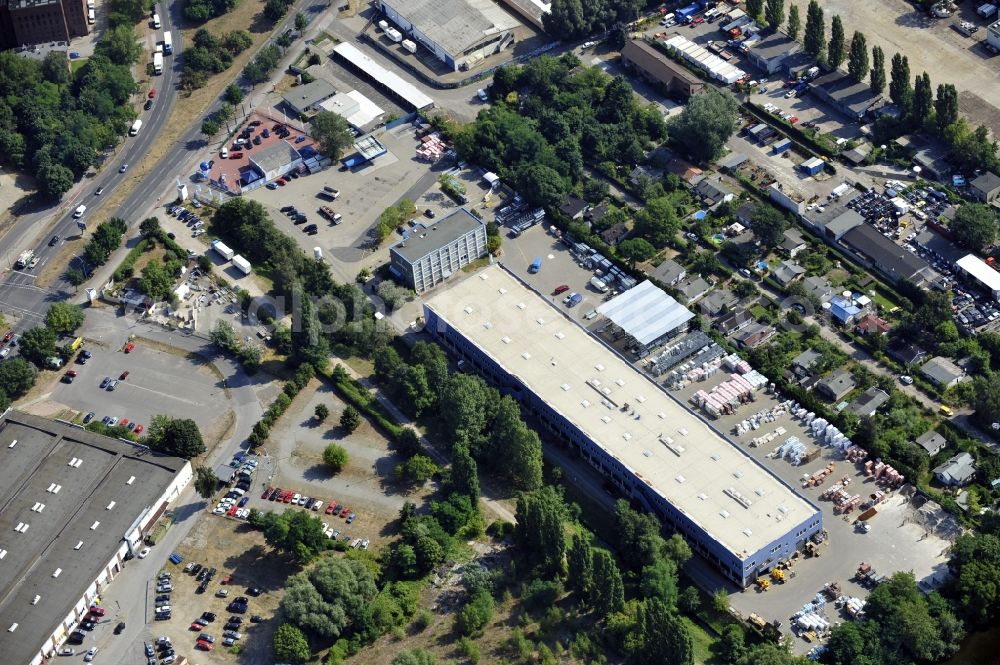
x=24, y=22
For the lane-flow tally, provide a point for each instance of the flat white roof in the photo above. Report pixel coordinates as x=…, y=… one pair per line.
x=980, y=270
x=354, y=107
x=665, y=445
x=388, y=79
x=646, y=312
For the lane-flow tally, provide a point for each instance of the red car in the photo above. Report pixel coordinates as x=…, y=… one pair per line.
x=138, y=429
x=794, y=119
x=331, y=507
x=267, y=491
x=343, y=513
x=236, y=155
x=204, y=645
x=232, y=511
x=129, y=347
x=123, y=422
x=698, y=20
x=562, y=288
x=281, y=181
x=152, y=93
x=197, y=626
x=124, y=375
x=227, y=579
x=287, y=498
x=8, y=336
x=97, y=611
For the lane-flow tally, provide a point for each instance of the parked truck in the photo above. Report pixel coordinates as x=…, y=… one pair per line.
x=158, y=63
x=24, y=260
x=223, y=250
x=242, y=264
x=739, y=18
x=168, y=43
x=598, y=284
x=156, y=21
x=134, y=129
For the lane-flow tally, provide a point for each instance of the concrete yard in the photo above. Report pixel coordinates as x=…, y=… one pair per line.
x=896, y=541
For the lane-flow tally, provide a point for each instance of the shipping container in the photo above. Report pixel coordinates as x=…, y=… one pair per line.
x=242, y=264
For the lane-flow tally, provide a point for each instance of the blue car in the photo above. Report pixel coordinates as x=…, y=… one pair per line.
x=243, y=501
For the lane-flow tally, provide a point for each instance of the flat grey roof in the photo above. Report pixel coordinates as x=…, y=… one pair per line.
x=310, y=94
x=574, y=374
x=131, y=476
x=775, y=44
x=646, y=312
x=455, y=25
x=274, y=156
x=893, y=259
x=424, y=241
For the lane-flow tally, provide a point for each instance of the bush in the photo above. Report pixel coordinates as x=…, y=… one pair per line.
x=350, y=419
x=321, y=412
x=335, y=457
x=475, y=615
x=422, y=620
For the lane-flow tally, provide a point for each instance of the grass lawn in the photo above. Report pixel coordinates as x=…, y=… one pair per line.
x=702, y=643
x=74, y=65
x=758, y=311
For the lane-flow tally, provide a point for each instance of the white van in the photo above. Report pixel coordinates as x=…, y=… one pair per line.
x=78, y=213
x=91, y=16
x=156, y=21
x=224, y=153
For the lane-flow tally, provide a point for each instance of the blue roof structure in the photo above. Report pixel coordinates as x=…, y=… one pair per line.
x=843, y=310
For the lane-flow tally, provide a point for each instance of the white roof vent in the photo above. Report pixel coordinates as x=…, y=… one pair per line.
x=521, y=305
x=647, y=453
x=34, y=601
x=783, y=508
x=565, y=387
x=620, y=382
x=3, y=553
x=606, y=419
x=662, y=415
x=628, y=437
x=12, y=443
x=488, y=325
x=505, y=339
x=540, y=321
x=467, y=309
x=526, y=355
x=73, y=461
x=21, y=527
x=738, y=474
x=78, y=463
x=38, y=507
x=680, y=479
x=561, y=335
x=747, y=532
x=78, y=545
x=715, y=457
x=483, y=276
x=584, y=403
x=683, y=431
x=703, y=496
x=93, y=527
x=759, y=491
x=131, y=479
x=724, y=514
x=54, y=489
x=111, y=505
x=640, y=399
x=502, y=290
x=599, y=367
x=12, y=628
x=57, y=572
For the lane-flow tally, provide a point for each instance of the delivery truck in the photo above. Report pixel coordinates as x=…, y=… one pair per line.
x=134, y=129
x=168, y=43
x=158, y=63
x=241, y=264
x=222, y=250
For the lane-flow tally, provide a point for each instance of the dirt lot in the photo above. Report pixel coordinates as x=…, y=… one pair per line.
x=233, y=548
x=367, y=484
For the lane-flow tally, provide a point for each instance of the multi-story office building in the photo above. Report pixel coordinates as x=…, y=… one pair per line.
x=430, y=254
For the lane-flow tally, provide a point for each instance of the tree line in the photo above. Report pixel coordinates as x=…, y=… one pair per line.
x=211, y=55
x=56, y=124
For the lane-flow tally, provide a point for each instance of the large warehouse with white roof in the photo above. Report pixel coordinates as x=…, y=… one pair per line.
x=732, y=510
x=74, y=507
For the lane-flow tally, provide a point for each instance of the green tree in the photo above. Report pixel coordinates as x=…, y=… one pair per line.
x=857, y=61
x=986, y=401
x=900, y=90
x=64, y=318
x=609, y=595
x=636, y=250
x=774, y=13
x=180, y=437
x=329, y=597
x=335, y=457
x=580, y=559
x=877, y=83
x=659, y=580
x=975, y=225
x=836, y=47
x=657, y=221
x=350, y=419
x=54, y=179
x=223, y=335
x=233, y=94
x=706, y=123
x=37, y=344
x=209, y=127
x=474, y=616
x=814, y=40
x=922, y=108
x=976, y=561
x=150, y=227
x=794, y=21
x=417, y=469
x=539, y=529
x=55, y=68
x=639, y=539
x=732, y=644
x=322, y=412
x=755, y=8
x=16, y=377
x=120, y=45
x=275, y=9
x=156, y=281
x=301, y=22
x=290, y=644
x=660, y=636
x=768, y=225
x=464, y=473
x=542, y=185
x=205, y=482
x=332, y=132
x=413, y=656
x=946, y=106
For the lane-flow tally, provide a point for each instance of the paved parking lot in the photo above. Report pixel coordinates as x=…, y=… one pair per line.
x=896, y=541
x=228, y=170
x=559, y=267
x=159, y=381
